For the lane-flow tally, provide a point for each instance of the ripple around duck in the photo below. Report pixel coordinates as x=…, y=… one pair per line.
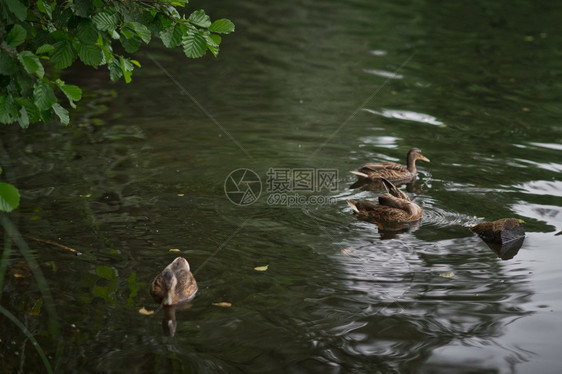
x=440, y=217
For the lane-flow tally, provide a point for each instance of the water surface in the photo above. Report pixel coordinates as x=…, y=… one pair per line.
x=303, y=85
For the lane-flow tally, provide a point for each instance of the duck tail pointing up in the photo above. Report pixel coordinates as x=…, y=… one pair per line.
x=353, y=205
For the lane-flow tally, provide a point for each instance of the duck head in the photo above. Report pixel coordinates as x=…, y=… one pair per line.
x=414, y=154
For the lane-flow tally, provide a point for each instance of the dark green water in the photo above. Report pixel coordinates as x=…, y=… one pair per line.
x=303, y=85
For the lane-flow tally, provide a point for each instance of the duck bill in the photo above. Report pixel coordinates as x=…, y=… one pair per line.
x=423, y=158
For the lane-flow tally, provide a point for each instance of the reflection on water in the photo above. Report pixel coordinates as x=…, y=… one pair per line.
x=407, y=115
x=384, y=73
x=549, y=188
x=507, y=250
x=127, y=184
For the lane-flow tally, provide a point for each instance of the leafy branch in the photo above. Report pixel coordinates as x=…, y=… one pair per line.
x=42, y=38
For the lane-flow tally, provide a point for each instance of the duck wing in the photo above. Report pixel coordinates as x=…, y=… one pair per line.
x=157, y=290
x=384, y=165
x=393, y=201
x=186, y=288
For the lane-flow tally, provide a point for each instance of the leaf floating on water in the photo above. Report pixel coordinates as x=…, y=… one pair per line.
x=223, y=304
x=261, y=268
x=174, y=250
x=146, y=312
x=520, y=220
x=481, y=218
x=447, y=275
x=181, y=194
x=346, y=251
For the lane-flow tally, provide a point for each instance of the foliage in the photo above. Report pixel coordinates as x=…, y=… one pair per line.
x=41, y=37
x=9, y=197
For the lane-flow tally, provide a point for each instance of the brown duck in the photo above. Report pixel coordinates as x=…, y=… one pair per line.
x=369, y=174
x=175, y=284
x=393, y=209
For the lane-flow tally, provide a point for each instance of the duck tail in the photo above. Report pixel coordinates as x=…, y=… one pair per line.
x=360, y=174
x=353, y=205
x=388, y=186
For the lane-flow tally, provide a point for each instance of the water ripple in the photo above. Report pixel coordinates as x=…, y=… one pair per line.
x=383, y=73
x=406, y=115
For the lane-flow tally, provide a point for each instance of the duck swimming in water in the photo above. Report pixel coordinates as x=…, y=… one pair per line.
x=175, y=284
x=369, y=175
x=393, y=210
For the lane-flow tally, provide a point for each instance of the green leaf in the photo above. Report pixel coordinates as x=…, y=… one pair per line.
x=106, y=21
x=131, y=45
x=83, y=8
x=90, y=54
x=31, y=63
x=28, y=112
x=73, y=93
x=45, y=8
x=45, y=49
x=216, y=39
x=127, y=68
x=25, y=83
x=16, y=7
x=114, y=69
x=87, y=32
x=213, y=41
x=199, y=18
x=8, y=64
x=23, y=118
x=8, y=110
x=62, y=113
x=194, y=45
x=46, y=116
x=171, y=36
x=222, y=26
x=136, y=63
x=64, y=54
x=43, y=96
x=9, y=197
x=128, y=33
x=141, y=31
x=16, y=36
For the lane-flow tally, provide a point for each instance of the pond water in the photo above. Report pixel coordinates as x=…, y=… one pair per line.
x=301, y=87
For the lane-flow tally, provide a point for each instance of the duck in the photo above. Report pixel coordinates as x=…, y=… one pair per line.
x=393, y=210
x=368, y=176
x=175, y=284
